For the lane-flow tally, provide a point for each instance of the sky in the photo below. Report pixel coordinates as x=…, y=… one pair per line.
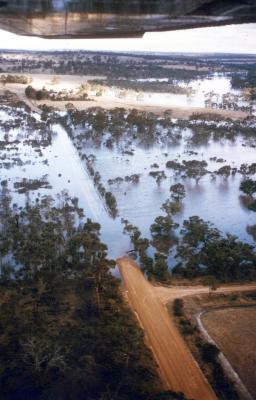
x=224, y=39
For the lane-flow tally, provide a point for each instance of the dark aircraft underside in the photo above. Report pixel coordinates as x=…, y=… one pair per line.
x=118, y=18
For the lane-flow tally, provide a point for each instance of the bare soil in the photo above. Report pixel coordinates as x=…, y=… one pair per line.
x=178, y=369
x=234, y=331
x=177, y=112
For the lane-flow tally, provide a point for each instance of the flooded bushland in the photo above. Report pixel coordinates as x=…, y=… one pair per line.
x=213, y=91
x=38, y=159
x=140, y=175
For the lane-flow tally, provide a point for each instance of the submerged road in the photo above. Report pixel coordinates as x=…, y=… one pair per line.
x=178, y=369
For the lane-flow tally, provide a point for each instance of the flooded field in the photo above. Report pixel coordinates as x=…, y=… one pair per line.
x=122, y=165
x=59, y=165
x=216, y=199
x=210, y=92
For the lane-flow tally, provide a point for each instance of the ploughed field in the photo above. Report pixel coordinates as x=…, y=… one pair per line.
x=233, y=330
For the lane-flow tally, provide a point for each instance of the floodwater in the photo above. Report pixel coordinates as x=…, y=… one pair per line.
x=63, y=158
x=64, y=171
x=218, y=85
x=215, y=200
x=218, y=201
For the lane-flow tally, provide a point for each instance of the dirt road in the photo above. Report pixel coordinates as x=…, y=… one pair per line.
x=166, y=294
x=178, y=369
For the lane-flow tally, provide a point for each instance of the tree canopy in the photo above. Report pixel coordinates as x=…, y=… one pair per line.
x=65, y=332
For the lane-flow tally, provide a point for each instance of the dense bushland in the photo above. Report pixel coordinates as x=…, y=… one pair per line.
x=65, y=332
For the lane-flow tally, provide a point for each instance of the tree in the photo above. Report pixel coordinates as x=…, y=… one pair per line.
x=195, y=169
x=248, y=186
x=111, y=203
x=209, y=352
x=203, y=251
x=158, y=176
x=177, y=192
x=171, y=207
x=228, y=259
x=161, y=267
x=224, y=171
x=196, y=231
x=62, y=312
x=148, y=264
x=178, y=307
x=163, y=226
x=30, y=92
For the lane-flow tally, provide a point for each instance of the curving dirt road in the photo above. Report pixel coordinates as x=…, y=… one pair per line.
x=178, y=369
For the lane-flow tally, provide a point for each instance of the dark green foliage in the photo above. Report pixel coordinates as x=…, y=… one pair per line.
x=209, y=352
x=204, y=251
x=186, y=327
x=177, y=192
x=34, y=94
x=148, y=264
x=161, y=267
x=178, y=307
x=171, y=207
x=67, y=333
x=111, y=203
x=224, y=171
x=248, y=186
x=31, y=93
x=158, y=175
x=222, y=384
x=163, y=226
x=229, y=259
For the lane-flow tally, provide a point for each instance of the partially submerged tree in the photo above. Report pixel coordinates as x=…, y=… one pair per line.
x=248, y=186
x=177, y=192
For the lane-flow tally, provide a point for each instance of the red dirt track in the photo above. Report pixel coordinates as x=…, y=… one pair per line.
x=178, y=369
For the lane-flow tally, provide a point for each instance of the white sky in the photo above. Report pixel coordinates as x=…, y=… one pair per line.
x=225, y=39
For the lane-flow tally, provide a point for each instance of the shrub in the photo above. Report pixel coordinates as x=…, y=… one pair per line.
x=178, y=307
x=209, y=352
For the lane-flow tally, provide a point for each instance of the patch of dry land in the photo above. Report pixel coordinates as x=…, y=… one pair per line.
x=108, y=99
x=234, y=331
